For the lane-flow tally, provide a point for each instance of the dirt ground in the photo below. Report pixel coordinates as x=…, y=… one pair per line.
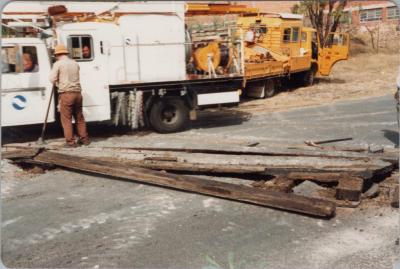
x=362, y=76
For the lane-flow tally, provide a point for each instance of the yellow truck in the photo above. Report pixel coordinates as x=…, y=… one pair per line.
x=278, y=47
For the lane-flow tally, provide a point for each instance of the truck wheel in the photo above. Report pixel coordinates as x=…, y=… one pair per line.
x=169, y=114
x=269, y=88
x=308, y=78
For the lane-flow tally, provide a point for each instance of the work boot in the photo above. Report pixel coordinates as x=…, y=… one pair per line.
x=84, y=142
x=70, y=145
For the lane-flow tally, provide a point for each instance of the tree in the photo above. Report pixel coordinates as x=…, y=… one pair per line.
x=324, y=16
x=7, y=32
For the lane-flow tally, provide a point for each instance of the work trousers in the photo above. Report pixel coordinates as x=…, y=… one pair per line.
x=71, y=106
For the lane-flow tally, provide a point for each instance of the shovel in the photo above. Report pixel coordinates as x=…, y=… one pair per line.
x=41, y=140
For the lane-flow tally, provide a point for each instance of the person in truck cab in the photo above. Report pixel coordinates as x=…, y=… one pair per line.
x=65, y=75
x=86, y=52
x=29, y=65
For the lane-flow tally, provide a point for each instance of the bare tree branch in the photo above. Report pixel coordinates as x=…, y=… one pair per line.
x=324, y=16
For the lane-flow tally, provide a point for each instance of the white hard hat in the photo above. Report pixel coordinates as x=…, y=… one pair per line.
x=249, y=37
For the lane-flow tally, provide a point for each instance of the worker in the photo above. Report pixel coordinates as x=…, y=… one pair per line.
x=86, y=52
x=65, y=75
x=29, y=65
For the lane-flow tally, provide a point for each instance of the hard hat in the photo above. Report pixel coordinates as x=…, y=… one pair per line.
x=60, y=49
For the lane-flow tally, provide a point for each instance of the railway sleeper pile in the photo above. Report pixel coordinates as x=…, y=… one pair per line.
x=311, y=181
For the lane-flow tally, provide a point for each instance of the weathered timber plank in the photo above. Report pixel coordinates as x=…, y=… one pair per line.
x=349, y=189
x=263, y=151
x=198, y=167
x=244, y=164
x=285, y=201
x=228, y=163
x=264, y=169
x=19, y=153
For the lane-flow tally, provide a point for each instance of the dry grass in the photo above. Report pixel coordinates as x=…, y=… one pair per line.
x=362, y=76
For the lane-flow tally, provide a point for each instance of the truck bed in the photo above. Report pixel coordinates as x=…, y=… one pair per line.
x=204, y=84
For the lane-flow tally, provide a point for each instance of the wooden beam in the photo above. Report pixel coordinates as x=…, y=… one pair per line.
x=289, y=171
x=349, y=189
x=296, y=168
x=115, y=168
x=197, y=167
x=19, y=153
x=262, y=151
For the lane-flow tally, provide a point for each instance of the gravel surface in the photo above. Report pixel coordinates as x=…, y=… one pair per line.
x=63, y=219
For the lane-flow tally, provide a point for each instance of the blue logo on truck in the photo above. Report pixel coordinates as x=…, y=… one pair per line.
x=19, y=102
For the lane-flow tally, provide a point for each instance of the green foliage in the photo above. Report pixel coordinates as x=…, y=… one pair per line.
x=6, y=32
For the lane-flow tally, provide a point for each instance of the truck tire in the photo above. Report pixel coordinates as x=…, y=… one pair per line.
x=308, y=78
x=168, y=115
x=264, y=89
x=269, y=88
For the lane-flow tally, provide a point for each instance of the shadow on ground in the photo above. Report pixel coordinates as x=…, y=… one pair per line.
x=393, y=136
x=97, y=131
x=329, y=80
x=103, y=130
x=220, y=118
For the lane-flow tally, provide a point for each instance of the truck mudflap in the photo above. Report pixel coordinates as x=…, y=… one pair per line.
x=127, y=109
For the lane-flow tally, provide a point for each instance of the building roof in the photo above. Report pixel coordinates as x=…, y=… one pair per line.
x=359, y=5
x=273, y=6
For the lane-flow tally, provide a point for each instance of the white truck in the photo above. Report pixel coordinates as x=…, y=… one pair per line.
x=135, y=73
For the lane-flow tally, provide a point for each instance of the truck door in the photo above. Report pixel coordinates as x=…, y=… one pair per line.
x=336, y=49
x=85, y=47
x=25, y=85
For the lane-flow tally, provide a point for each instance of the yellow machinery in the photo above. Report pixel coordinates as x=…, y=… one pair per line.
x=286, y=36
x=276, y=47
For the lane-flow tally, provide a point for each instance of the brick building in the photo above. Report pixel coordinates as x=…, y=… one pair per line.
x=377, y=22
x=360, y=13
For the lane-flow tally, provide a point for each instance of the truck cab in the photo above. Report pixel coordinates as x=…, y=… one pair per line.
x=336, y=49
x=25, y=90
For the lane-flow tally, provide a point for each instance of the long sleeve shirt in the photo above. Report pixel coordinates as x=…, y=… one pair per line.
x=65, y=75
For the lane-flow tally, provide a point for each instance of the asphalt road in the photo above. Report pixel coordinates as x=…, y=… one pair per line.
x=63, y=219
